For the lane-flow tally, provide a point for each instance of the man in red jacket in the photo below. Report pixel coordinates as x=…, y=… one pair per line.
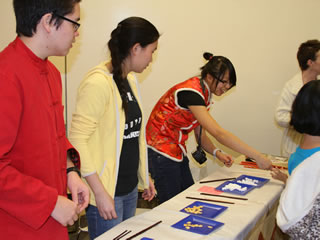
x=37, y=163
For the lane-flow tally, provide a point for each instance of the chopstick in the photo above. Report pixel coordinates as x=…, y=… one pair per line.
x=122, y=235
x=210, y=200
x=216, y=195
x=248, y=163
x=218, y=180
x=144, y=230
x=254, y=165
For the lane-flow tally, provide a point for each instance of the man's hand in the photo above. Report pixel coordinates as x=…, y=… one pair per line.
x=65, y=211
x=79, y=191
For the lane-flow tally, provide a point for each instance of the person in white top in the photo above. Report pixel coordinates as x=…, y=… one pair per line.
x=308, y=56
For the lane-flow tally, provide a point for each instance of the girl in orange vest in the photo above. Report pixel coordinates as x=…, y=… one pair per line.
x=183, y=108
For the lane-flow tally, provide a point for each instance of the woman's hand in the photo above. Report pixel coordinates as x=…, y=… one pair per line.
x=105, y=205
x=264, y=162
x=225, y=158
x=104, y=201
x=279, y=175
x=149, y=193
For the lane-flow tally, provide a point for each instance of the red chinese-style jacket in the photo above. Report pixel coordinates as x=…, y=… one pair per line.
x=33, y=146
x=169, y=123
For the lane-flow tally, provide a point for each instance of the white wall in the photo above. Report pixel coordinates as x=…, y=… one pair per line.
x=260, y=37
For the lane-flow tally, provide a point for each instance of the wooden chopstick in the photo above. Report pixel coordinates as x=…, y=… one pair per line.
x=210, y=200
x=144, y=230
x=122, y=234
x=216, y=195
x=248, y=163
x=218, y=180
x=254, y=165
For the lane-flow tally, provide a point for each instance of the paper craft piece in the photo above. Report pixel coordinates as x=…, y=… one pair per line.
x=198, y=225
x=235, y=188
x=252, y=180
x=207, y=189
x=204, y=209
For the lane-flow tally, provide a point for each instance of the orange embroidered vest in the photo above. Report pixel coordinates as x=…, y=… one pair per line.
x=169, y=123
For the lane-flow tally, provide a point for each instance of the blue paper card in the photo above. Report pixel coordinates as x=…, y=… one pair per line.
x=203, y=209
x=238, y=188
x=256, y=181
x=198, y=225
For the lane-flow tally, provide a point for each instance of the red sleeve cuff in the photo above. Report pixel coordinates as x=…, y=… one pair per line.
x=73, y=154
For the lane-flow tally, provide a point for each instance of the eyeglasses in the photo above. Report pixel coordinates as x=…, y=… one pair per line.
x=225, y=83
x=75, y=24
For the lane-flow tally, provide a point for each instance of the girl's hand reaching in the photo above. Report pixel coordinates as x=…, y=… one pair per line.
x=225, y=158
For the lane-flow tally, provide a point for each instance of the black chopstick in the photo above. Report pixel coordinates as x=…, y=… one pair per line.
x=216, y=195
x=218, y=180
x=122, y=234
x=210, y=200
x=144, y=230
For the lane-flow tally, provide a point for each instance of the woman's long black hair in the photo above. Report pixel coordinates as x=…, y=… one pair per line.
x=130, y=31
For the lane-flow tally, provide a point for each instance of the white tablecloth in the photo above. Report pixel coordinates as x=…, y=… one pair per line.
x=239, y=219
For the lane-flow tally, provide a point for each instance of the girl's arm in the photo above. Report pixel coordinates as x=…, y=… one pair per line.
x=104, y=201
x=209, y=147
x=227, y=138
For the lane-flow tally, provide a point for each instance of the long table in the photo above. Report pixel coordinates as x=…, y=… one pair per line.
x=242, y=220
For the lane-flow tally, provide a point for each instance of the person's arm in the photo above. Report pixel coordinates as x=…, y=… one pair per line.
x=227, y=138
x=283, y=110
x=65, y=211
x=209, y=147
x=187, y=98
x=92, y=100
x=149, y=193
x=104, y=201
x=79, y=190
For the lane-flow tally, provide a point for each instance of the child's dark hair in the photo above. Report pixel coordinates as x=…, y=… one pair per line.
x=217, y=67
x=130, y=31
x=305, y=114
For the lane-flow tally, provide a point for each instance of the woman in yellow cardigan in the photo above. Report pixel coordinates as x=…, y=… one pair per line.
x=108, y=127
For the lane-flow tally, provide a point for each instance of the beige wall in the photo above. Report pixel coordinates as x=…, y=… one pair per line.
x=260, y=37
